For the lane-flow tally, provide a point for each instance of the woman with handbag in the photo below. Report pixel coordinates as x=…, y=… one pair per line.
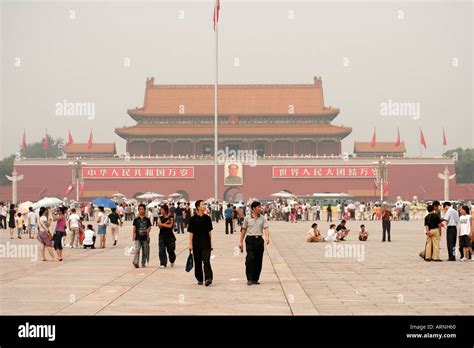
x=44, y=236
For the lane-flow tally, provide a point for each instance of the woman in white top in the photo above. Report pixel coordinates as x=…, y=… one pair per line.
x=332, y=234
x=465, y=231
x=43, y=236
x=101, y=227
x=89, y=238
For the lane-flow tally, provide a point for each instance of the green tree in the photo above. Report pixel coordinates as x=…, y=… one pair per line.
x=6, y=168
x=464, y=164
x=36, y=150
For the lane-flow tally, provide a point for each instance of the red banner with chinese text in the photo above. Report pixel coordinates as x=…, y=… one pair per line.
x=138, y=172
x=286, y=172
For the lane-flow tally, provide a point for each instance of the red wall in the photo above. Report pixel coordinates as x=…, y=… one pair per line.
x=404, y=180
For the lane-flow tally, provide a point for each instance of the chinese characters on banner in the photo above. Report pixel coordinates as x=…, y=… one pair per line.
x=324, y=172
x=138, y=172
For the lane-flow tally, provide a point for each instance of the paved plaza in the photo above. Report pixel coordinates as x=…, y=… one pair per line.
x=298, y=278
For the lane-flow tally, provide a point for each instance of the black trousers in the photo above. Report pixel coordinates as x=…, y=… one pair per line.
x=451, y=236
x=166, y=244
x=254, y=258
x=228, y=221
x=202, y=259
x=385, y=229
x=3, y=221
x=329, y=217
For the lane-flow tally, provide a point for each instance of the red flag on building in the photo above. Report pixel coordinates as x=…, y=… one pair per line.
x=81, y=193
x=444, y=138
x=374, y=139
x=397, y=144
x=24, y=145
x=46, y=142
x=422, y=139
x=217, y=7
x=69, y=139
x=385, y=188
x=68, y=189
x=89, y=142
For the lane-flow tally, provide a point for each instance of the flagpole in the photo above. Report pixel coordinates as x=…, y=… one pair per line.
x=420, y=142
x=45, y=140
x=215, y=101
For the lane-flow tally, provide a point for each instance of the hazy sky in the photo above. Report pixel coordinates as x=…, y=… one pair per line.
x=367, y=53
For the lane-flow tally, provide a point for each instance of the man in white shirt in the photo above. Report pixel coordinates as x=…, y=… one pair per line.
x=73, y=224
x=31, y=222
x=3, y=215
x=362, y=211
x=451, y=217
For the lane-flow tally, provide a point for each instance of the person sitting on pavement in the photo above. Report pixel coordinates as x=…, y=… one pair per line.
x=341, y=230
x=363, y=233
x=332, y=235
x=314, y=234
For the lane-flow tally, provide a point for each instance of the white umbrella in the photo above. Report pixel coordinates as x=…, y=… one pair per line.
x=150, y=195
x=47, y=202
x=175, y=195
x=24, y=207
x=118, y=195
x=153, y=204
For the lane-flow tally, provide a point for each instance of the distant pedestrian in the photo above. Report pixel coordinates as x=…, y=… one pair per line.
x=386, y=224
x=32, y=220
x=11, y=219
x=101, y=227
x=228, y=219
x=115, y=224
x=466, y=232
x=60, y=231
x=329, y=213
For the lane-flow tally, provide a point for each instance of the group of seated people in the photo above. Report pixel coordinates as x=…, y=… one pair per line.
x=334, y=234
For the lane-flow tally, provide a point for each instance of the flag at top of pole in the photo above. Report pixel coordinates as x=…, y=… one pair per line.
x=70, y=140
x=397, y=144
x=89, y=142
x=24, y=145
x=217, y=7
x=374, y=140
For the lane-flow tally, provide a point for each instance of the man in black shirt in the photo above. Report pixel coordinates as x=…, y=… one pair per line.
x=433, y=236
x=200, y=243
x=141, y=231
x=179, y=218
x=166, y=239
x=341, y=230
x=115, y=221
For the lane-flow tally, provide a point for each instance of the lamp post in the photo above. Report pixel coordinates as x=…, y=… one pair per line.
x=77, y=175
x=382, y=174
